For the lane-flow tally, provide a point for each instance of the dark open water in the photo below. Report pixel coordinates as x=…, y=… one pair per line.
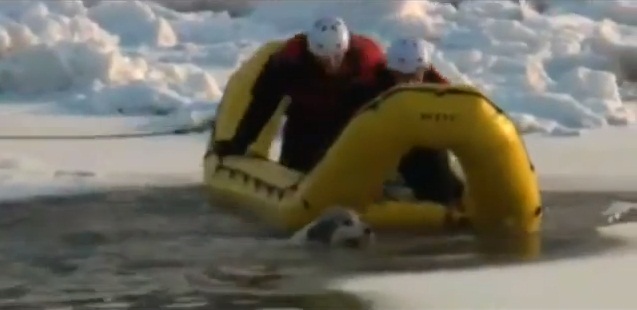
x=164, y=248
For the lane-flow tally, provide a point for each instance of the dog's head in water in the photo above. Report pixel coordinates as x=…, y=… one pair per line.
x=337, y=227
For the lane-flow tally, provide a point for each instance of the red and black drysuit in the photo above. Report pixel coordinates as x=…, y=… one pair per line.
x=315, y=114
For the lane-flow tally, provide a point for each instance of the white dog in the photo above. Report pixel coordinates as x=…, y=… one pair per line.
x=339, y=227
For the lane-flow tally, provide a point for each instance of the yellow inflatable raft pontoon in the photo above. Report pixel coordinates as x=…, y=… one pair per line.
x=501, y=195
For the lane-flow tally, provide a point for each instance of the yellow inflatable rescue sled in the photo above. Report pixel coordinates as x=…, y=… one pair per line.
x=501, y=194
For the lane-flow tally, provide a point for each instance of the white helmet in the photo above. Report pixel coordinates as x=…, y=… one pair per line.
x=408, y=55
x=328, y=37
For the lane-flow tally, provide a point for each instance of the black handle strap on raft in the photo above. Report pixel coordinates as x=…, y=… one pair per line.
x=259, y=183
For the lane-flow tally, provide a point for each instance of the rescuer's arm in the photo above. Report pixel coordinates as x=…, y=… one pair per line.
x=267, y=93
x=362, y=92
x=372, y=76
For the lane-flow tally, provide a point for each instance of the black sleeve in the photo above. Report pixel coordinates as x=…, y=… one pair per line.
x=360, y=93
x=267, y=93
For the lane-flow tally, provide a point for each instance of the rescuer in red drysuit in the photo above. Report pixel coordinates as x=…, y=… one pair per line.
x=315, y=70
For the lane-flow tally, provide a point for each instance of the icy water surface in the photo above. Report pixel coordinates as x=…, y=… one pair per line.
x=164, y=248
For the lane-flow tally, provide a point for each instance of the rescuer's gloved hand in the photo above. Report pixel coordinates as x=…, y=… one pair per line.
x=227, y=148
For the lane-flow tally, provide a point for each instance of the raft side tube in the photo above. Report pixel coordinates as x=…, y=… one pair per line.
x=237, y=96
x=256, y=186
x=502, y=192
x=267, y=191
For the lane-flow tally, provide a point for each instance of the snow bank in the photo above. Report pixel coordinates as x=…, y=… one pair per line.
x=233, y=7
x=134, y=22
x=63, y=167
x=22, y=176
x=11, y=162
x=556, y=73
x=62, y=47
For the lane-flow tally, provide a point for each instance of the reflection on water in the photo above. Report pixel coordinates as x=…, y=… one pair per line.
x=166, y=249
